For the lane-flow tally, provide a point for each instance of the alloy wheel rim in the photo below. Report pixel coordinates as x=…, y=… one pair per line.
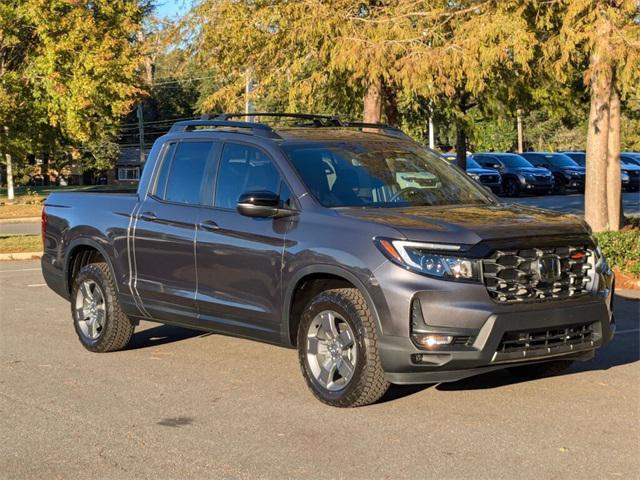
x=331, y=350
x=90, y=309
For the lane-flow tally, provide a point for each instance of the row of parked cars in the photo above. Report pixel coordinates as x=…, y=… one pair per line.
x=543, y=173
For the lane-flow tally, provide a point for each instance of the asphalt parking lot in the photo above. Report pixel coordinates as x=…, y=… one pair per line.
x=182, y=404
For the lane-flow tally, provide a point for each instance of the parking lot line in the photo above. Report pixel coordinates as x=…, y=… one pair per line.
x=20, y=270
x=618, y=332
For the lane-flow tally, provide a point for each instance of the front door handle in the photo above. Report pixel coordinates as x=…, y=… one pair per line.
x=148, y=216
x=209, y=225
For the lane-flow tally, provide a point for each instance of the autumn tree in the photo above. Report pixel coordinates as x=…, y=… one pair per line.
x=602, y=39
x=68, y=72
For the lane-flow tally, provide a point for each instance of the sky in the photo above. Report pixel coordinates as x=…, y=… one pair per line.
x=171, y=8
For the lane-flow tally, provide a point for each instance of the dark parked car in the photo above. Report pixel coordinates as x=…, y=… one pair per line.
x=567, y=173
x=377, y=260
x=630, y=158
x=629, y=170
x=518, y=175
x=488, y=177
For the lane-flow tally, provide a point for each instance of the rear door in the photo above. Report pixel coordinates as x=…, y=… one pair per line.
x=239, y=259
x=165, y=231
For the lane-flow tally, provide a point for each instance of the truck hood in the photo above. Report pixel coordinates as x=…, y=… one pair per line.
x=482, y=171
x=471, y=224
x=533, y=170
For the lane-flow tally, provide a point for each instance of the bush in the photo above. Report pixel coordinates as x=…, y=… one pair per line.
x=622, y=249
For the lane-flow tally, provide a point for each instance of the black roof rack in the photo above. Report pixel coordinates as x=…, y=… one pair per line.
x=386, y=129
x=223, y=121
x=252, y=127
x=317, y=120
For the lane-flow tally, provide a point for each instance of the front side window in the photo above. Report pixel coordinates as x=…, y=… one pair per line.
x=561, y=160
x=243, y=169
x=381, y=174
x=182, y=174
x=514, y=161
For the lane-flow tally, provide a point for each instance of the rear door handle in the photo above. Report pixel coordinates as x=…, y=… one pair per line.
x=209, y=225
x=148, y=216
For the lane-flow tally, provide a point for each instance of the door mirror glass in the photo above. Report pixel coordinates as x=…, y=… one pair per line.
x=262, y=204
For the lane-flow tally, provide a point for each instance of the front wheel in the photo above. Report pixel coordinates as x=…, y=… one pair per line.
x=99, y=321
x=337, y=349
x=511, y=187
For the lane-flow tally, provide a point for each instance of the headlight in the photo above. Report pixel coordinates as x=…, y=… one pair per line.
x=430, y=259
x=624, y=176
x=475, y=177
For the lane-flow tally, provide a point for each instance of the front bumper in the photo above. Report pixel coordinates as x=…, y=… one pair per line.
x=536, y=185
x=466, y=311
x=455, y=363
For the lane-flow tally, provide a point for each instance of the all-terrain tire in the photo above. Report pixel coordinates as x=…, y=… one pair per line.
x=541, y=370
x=118, y=329
x=367, y=384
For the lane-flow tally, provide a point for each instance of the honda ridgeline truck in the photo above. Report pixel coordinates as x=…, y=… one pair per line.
x=377, y=259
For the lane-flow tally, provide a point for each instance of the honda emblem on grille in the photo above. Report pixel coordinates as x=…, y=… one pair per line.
x=548, y=268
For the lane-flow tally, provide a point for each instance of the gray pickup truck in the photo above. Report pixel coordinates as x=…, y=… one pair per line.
x=378, y=260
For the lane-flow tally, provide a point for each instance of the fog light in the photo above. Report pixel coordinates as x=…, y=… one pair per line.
x=430, y=341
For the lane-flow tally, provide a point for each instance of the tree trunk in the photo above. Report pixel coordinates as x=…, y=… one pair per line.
x=7, y=156
x=596, y=212
x=373, y=102
x=461, y=145
x=614, y=198
x=390, y=105
x=520, y=135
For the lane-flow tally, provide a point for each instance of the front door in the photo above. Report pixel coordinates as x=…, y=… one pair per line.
x=165, y=232
x=240, y=258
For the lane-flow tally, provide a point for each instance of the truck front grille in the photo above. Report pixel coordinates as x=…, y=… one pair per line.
x=489, y=178
x=537, y=274
x=544, y=342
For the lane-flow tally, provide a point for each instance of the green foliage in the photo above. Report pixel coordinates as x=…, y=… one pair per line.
x=622, y=249
x=68, y=72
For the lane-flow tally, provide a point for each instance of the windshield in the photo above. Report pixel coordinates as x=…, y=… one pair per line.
x=577, y=157
x=471, y=163
x=382, y=174
x=561, y=160
x=629, y=159
x=514, y=161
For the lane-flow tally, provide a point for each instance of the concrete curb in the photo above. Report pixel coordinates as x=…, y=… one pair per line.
x=20, y=256
x=20, y=220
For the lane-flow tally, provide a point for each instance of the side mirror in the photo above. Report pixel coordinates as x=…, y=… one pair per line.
x=262, y=204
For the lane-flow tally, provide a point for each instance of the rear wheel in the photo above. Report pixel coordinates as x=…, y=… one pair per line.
x=540, y=370
x=99, y=321
x=337, y=349
x=511, y=187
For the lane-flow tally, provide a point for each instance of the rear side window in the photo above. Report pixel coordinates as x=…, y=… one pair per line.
x=243, y=169
x=182, y=174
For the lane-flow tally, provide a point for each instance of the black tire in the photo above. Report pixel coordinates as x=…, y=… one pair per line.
x=117, y=329
x=559, y=185
x=367, y=384
x=511, y=188
x=541, y=370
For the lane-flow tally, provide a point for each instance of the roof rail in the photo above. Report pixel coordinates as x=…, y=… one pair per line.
x=317, y=120
x=259, y=129
x=383, y=127
x=223, y=121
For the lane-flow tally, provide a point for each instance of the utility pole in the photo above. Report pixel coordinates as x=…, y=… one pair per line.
x=520, y=139
x=432, y=134
x=249, y=106
x=141, y=131
x=7, y=155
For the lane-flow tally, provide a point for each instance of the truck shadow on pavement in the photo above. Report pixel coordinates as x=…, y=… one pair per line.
x=162, y=334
